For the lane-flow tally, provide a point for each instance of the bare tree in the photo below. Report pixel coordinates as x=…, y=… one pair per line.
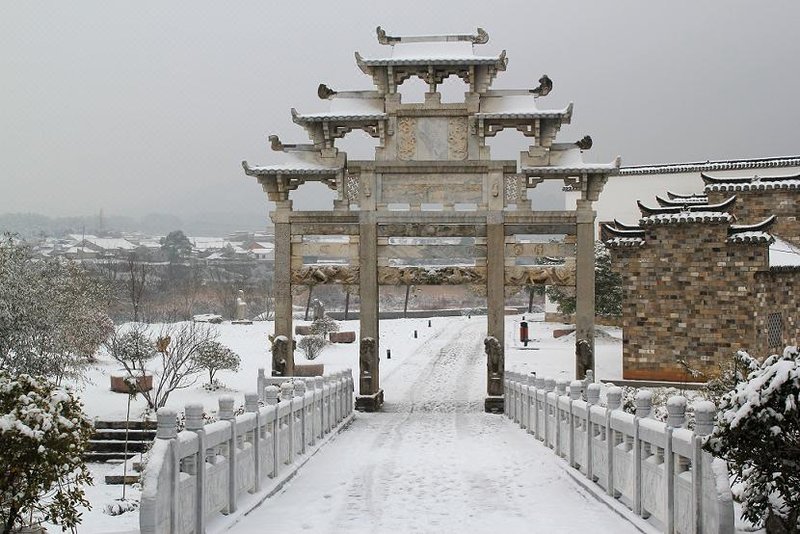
x=138, y=273
x=172, y=356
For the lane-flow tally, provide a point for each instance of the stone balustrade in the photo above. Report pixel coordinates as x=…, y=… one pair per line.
x=657, y=470
x=194, y=475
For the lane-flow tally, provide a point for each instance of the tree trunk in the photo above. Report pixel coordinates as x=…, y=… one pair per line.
x=346, y=304
x=530, y=299
x=308, y=301
x=405, y=304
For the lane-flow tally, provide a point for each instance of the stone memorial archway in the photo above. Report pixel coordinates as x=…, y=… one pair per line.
x=433, y=184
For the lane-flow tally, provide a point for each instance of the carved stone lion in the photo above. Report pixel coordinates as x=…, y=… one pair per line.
x=280, y=354
x=583, y=353
x=367, y=355
x=494, y=353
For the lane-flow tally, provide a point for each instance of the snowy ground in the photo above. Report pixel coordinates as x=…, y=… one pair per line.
x=432, y=461
x=460, y=437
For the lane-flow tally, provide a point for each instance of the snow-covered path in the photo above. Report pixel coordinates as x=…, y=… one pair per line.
x=432, y=461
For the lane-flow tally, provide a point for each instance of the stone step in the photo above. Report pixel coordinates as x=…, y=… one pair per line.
x=97, y=456
x=119, y=479
x=119, y=434
x=118, y=446
x=133, y=425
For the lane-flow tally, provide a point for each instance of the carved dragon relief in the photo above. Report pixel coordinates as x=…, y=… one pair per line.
x=554, y=275
x=457, y=138
x=325, y=274
x=432, y=276
x=406, y=138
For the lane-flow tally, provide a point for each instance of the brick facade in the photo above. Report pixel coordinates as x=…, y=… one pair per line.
x=698, y=287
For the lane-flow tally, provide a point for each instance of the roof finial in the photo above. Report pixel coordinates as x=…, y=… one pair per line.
x=275, y=143
x=585, y=143
x=481, y=38
x=325, y=92
x=545, y=86
x=385, y=39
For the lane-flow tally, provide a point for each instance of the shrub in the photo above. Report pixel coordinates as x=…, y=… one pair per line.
x=757, y=433
x=43, y=434
x=214, y=356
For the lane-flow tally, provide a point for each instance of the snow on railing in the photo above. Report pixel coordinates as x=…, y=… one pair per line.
x=194, y=475
x=657, y=470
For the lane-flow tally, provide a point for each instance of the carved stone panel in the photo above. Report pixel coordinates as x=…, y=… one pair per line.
x=447, y=189
x=389, y=276
x=325, y=274
x=406, y=138
x=457, y=138
x=554, y=275
x=432, y=138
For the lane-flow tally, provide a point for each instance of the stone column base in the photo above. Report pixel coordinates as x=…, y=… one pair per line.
x=370, y=403
x=494, y=404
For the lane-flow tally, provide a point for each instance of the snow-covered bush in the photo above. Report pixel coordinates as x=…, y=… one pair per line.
x=52, y=314
x=758, y=434
x=120, y=506
x=213, y=356
x=312, y=345
x=324, y=326
x=171, y=356
x=43, y=434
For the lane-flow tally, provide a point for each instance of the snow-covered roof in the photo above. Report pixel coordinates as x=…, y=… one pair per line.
x=720, y=165
x=345, y=108
x=294, y=163
x=725, y=205
x=432, y=50
x=751, y=183
x=110, y=243
x=624, y=242
x=686, y=217
x=432, y=53
x=750, y=237
x=518, y=107
x=783, y=254
x=208, y=243
x=681, y=201
x=570, y=161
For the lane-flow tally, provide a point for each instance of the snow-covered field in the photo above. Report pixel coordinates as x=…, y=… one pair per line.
x=436, y=460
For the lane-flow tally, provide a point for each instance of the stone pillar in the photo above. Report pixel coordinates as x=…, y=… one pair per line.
x=584, y=290
x=370, y=395
x=495, y=303
x=283, y=285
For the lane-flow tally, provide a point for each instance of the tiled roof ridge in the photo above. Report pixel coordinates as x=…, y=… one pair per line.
x=723, y=206
x=719, y=165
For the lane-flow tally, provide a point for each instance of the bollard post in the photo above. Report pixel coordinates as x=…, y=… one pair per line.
x=415, y=334
x=261, y=380
x=271, y=399
x=251, y=406
x=300, y=398
x=704, y=414
x=287, y=394
x=613, y=402
x=167, y=429
x=575, y=390
x=644, y=403
x=195, y=423
x=592, y=398
x=388, y=354
x=676, y=411
x=226, y=414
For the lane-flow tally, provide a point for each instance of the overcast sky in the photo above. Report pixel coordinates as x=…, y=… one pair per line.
x=138, y=107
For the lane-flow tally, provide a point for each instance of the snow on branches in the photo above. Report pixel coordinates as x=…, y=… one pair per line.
x=43, y=433
x=758, y=433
